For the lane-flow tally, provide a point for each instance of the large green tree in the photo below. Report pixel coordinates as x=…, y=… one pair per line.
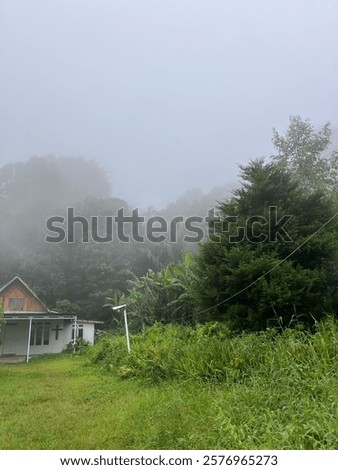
x=246, y=275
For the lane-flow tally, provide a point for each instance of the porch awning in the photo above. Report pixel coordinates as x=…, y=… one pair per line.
x=36, y=316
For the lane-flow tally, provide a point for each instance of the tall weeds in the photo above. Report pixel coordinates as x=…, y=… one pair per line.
x=209, y=353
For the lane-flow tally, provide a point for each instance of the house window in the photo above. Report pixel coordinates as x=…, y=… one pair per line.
x=15, y=304
x=79, y=329
x=57, y=330
x=46, y=331
x=40, y=334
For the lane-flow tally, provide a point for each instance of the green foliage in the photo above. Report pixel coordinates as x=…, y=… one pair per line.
x=163, y=296
x=304, y=150
x=66, y=307
x=208, y=353
x=229, y=264
x=79, y=347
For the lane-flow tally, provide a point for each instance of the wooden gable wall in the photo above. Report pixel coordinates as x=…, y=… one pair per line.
x=17, y=291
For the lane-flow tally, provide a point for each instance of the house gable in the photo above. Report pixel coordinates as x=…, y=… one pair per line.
x=17, y=297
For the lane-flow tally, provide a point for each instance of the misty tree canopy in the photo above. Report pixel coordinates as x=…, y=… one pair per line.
x=300, y=181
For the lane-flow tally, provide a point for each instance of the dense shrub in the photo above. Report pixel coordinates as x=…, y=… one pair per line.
x=80, y=347
x=209, y=353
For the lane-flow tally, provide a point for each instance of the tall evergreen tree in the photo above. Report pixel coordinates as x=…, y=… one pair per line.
x=246, y=275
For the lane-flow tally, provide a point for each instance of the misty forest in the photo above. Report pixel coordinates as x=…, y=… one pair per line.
x=176, y=281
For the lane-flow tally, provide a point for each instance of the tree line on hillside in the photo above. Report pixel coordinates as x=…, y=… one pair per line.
x=243, y=274
x=77, y=277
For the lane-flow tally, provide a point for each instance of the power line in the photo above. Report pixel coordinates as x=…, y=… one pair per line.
x=269, y=271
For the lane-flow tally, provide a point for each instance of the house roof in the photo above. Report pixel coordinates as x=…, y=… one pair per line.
x=50, y=314
x=18, y=279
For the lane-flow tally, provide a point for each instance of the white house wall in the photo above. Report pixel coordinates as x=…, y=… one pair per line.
x=15, y=338
x=88, y=332
x=55, y=345
x=67, y=333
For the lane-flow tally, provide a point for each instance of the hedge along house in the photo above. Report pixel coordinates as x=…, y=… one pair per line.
x=31, y=329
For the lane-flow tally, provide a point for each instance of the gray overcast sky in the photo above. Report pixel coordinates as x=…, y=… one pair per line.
x=167, y=95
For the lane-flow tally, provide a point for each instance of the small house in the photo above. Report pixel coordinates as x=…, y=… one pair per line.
x=31, y=329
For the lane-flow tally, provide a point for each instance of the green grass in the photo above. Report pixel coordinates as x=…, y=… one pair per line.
x=284, y=397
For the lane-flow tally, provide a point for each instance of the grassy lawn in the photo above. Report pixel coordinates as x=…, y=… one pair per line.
x=64, y=403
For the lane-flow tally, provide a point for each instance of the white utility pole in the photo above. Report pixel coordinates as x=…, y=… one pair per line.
x=29, y=338
x=124, y=306
x=75, y=332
